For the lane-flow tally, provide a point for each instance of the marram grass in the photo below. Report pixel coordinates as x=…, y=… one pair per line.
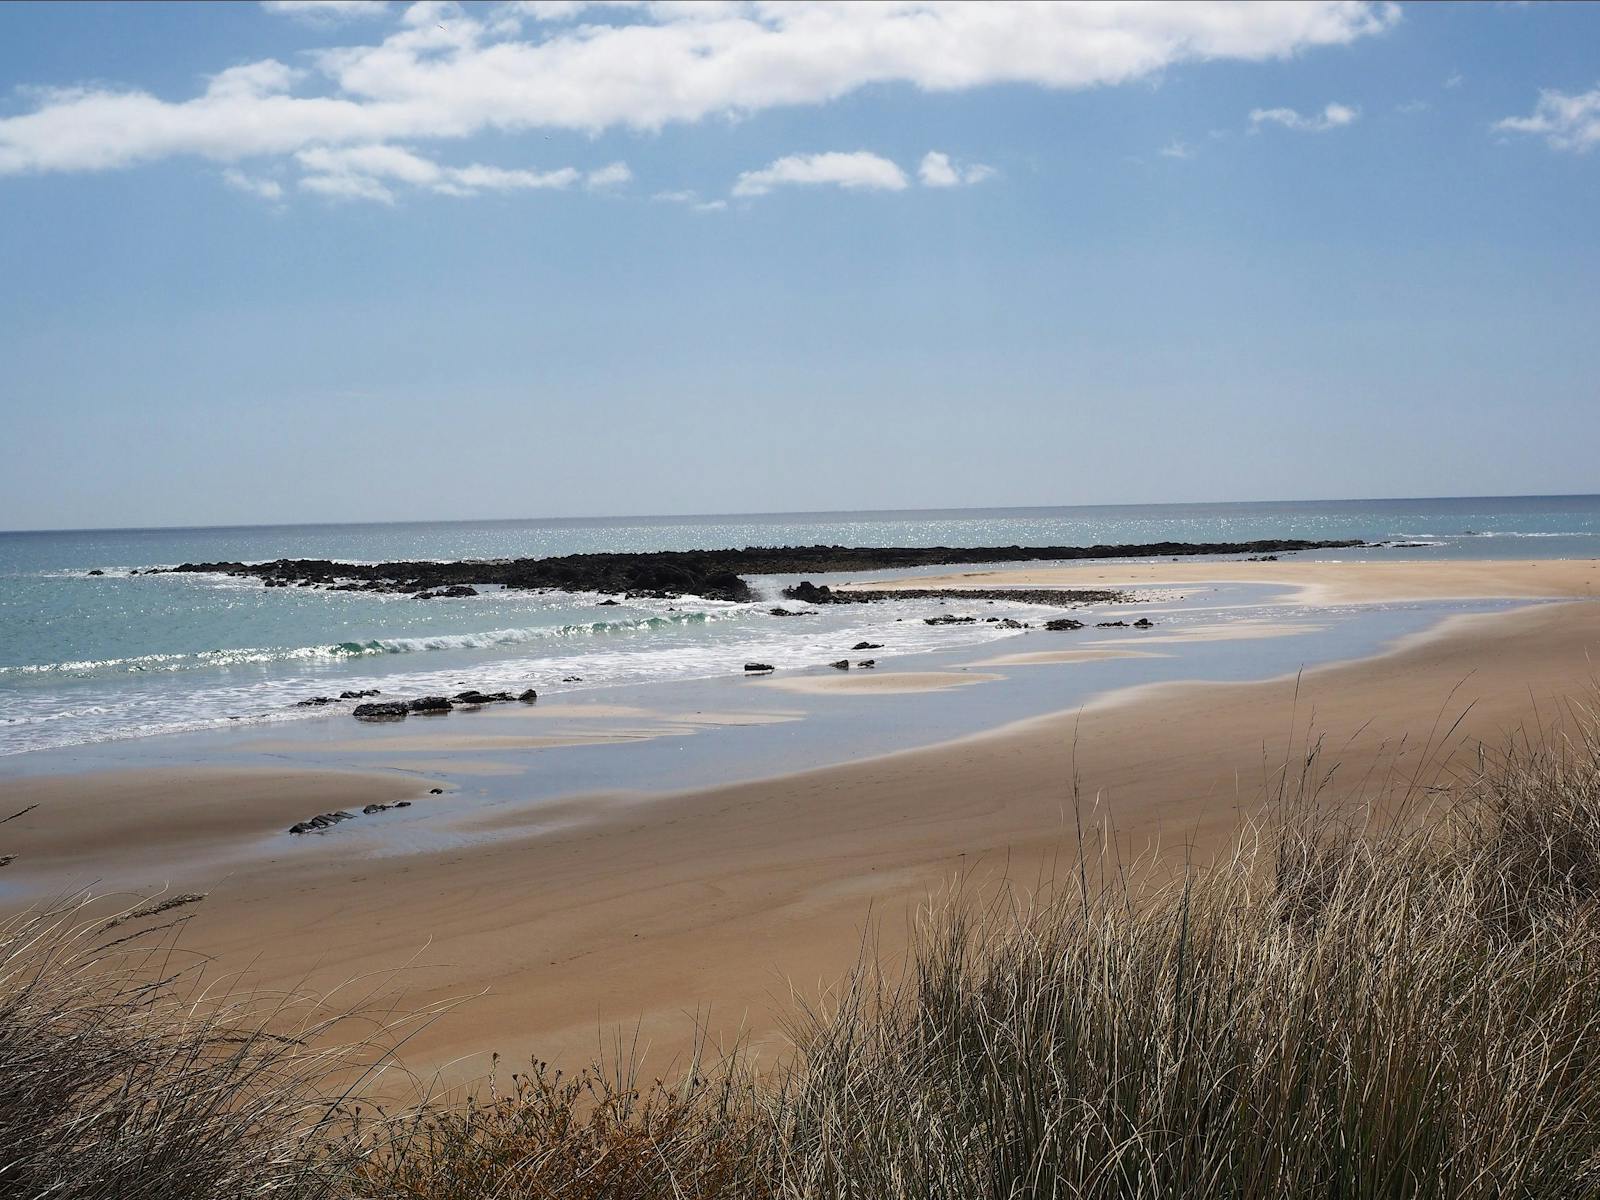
x=1391, y=1000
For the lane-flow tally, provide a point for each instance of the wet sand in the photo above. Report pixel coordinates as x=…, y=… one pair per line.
x=606, y=910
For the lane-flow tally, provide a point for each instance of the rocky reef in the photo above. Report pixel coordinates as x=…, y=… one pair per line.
x=665, y=574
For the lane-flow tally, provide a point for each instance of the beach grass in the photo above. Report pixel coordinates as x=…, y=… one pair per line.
x=1390, y=990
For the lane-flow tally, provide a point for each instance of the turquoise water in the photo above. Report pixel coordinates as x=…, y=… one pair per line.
x=89, y=658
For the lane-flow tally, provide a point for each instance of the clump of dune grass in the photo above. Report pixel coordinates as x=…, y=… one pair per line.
x=604, y=1132
x=1404, y=1003
x=123, y=1076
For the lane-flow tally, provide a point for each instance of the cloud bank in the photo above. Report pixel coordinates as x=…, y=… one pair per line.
x=441, y=72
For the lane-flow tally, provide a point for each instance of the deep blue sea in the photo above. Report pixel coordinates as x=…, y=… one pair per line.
x=87, y=658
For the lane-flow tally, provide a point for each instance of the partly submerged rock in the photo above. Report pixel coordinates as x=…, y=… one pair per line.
x=529, y=696
x=1062, y=625
x=842, y=665
x=948, y=619
x=867, y=662
x=381, y=709
x=867, y=646
x=430, y=704
x=754, y=666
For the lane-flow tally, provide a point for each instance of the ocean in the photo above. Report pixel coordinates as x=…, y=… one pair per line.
x=90, y=658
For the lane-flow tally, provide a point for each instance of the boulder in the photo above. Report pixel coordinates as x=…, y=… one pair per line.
x=867, y=646
x=430, y=704
x=843, y=664
x=529, y=696
x=97, y=571
x=381, y=709
x=374, y=808
x=361, y=695
x=754, y=666
x=1111, y=625
x=321, y=821
x=947, y=619
x=1062, y=625
x=867, y=662
x=1144, y=623
x=431, y=792
x=314, y=702
x=784, y=612
x=607, y=603
x=473, y=696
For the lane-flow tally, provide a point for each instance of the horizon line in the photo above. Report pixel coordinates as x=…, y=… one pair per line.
x=825, y=512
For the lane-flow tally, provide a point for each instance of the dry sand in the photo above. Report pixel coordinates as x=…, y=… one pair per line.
x=1310, y=582
x=625, y=909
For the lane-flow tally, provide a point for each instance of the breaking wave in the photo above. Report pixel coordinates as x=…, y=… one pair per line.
x=248, y=656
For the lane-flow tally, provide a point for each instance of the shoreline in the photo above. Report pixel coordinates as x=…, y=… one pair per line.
x=605, y=909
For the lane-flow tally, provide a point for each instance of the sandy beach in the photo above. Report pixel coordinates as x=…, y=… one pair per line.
x=710, y=905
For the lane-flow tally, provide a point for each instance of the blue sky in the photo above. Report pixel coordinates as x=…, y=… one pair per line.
x=538, y=260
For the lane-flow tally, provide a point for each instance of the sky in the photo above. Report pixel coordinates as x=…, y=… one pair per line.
x=293, y=261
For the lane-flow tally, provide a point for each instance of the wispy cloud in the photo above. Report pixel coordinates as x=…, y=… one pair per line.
x=445, y=72
x=1566, y=121
x=1177, y=149
x=1333, y=116
x=327, y=10
x=860, y=170
x=263, y=189
x=374, y=172
x=690, y=199
x=937, y=170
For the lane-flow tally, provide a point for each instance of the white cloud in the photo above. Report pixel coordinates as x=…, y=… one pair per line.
x=1566, y=122
x=1455, y=80
x=1176, y=149
x=372, y=172
x=614, y=175
x=266, y=189
x=447, y=72
x=936, y=170
x=859, y=169
x=327, y=10
x=1332, y=117
x=690, y=199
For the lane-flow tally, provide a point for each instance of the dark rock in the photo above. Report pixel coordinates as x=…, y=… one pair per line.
x=381, y=708
x=473, y=696
x=374, y=808
x=758, y=666
x=809, y=593
x=430, y=704
x=1009, y=623
x=947, y=619
x=784, y=612
x=1063, y=625
x=321, y=821
x=867, y=646
x=843, y=664
x=572, y=679
x=607, y=603
x=97, y=571
x=1111, y=625
x=361, y=695
x=401, y=804
x=1144, y=623
x=714, y=574
x=867, y=662
x=314, y=702
x=433, y=792
x=529, y=696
